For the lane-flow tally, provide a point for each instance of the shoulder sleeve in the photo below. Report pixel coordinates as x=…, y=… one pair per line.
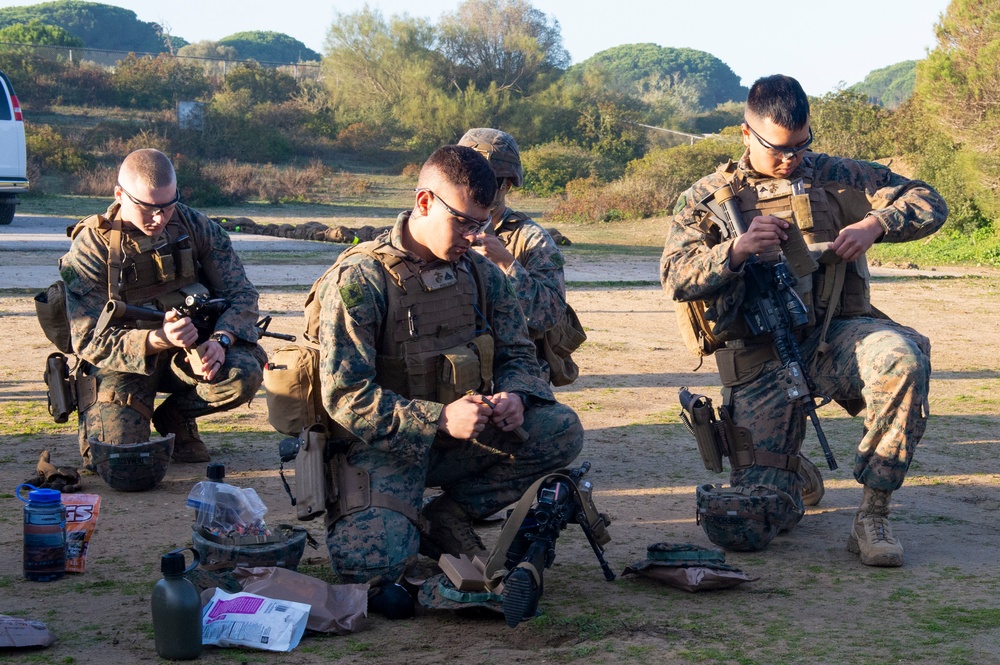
x=695, y=263
x=907, y=209
x=539, y=280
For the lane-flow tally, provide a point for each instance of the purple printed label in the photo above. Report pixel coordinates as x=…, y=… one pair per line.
x=236, y=606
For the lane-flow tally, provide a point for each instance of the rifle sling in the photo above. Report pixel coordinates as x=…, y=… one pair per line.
x=495, y=568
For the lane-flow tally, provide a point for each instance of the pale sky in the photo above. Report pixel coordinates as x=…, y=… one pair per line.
x=822, y=44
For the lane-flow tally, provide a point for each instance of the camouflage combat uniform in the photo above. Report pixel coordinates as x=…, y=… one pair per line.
x=872, y=363
x=396, y=438
x=127, y=378
x=537, y=274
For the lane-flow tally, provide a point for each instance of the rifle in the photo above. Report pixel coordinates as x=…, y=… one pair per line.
x=560, y=501
x=772, y=307
x=203, y=311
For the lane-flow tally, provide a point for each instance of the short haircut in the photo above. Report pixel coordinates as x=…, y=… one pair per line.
x=781, y=99
x=463, y=167
x=150, y=167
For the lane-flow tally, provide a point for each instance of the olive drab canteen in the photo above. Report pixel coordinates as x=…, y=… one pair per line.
x=499, y=149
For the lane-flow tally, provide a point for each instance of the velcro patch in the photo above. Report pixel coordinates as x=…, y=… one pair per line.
x=352, y=295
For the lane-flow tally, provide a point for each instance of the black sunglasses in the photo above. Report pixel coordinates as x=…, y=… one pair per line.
x=152, y=208
x=781, y=151
x=471, y=225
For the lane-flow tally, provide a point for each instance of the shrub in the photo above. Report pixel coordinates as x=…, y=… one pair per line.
x=157, y=83
x=627, y=198
x=361, y=137
x=548, y=167
x=50, y=150
x=96, y=181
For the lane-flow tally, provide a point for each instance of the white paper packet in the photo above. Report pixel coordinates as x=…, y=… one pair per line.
x=249, y=620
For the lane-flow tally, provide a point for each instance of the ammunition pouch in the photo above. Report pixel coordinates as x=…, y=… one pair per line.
x=465, y=367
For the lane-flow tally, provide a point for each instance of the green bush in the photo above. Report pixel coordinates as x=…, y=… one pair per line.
x=157, y=83
x=50, y=150
x=548, y=167
x=675, y=169
x=627, y=198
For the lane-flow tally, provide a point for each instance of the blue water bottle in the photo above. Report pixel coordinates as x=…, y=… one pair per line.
x=44, y=534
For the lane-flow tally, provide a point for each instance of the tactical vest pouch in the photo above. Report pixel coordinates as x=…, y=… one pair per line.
x=461, y=371
x=61, y=387
x=796, y=252
x=558, y=344
x=738, y=366
x=699, y=417
x=310, y=473
x=294, y=395
x=695, y=329
x=50, y=308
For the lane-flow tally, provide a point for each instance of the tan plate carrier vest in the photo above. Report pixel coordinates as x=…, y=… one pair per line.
x=430, y=348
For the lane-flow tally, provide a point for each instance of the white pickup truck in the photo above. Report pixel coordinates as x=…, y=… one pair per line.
x=13, y=160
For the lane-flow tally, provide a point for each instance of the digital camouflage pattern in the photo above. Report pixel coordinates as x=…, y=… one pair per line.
x=886, y=364
x=745, y=518
x=397, y=439
x=537, y=273
x=127, y=378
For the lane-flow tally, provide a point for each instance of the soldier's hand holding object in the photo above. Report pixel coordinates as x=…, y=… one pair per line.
x=508, y=412
x=464, y=418
x=179, y=330
x=207, y=359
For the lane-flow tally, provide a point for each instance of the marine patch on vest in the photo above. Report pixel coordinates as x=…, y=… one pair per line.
x=352, y=295
x=68, y=274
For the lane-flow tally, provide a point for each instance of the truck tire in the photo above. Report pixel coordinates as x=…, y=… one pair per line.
x=7, y=213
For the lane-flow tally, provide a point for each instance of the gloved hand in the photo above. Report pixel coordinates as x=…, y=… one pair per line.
x=48, y=476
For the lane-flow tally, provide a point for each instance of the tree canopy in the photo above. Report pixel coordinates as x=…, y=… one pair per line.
x=959, y=86
x=98, y=25
x=36, y=32
x=889, y=86
x=508, y=43
x=265, y=46
x=687, y=79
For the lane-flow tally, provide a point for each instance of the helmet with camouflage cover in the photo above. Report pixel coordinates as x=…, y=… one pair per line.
x=132, y=467
x=745, y=518
x=499, y=149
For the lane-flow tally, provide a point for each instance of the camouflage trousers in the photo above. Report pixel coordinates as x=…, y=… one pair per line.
x=377, y=544
x=882, y=362
x=125, y=401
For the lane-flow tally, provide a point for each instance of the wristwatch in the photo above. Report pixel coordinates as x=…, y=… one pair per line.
x=222, y=338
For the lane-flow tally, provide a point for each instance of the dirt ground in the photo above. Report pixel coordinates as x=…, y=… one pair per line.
x=812, y=601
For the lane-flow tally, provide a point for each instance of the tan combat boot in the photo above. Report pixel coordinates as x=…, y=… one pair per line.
x=188, y=446
x=871, y=535
x=812, y=482
x=449, y=531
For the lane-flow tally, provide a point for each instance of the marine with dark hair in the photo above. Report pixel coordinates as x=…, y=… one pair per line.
x=429, y=375
x=521, y=248
x=855, y=354
x=148, y=249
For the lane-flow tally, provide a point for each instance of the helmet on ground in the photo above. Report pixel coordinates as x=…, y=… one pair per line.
x=132, y=467
x=745, y=518
x=499, y=149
